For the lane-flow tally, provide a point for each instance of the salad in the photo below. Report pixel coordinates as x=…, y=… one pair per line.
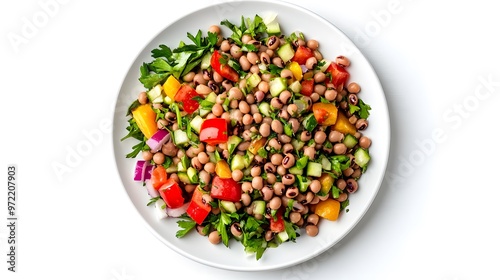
x=254, y=137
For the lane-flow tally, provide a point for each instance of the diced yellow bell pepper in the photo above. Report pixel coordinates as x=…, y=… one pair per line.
x=222, y=169
x=325, y=113
x=328, y=209
x=171, y=86
x=256, y=144
x=296, y=70
x=343, y=125
x=326, y=181
x=145, y=118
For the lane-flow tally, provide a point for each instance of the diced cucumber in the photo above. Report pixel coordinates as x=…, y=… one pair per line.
x=296, y=171
x=232, y=142
x=259, y=207
x=180, y=167
x=273, y=28
x=361, y=157
x=297, y=144
x=228, y=206
x=325, y=64
x=277, y=85
x=303, y=105
x=196, y=123
x=350, y=141
x=204, y=113
x=211, y=156
x=314, y=169
x=248, y=159
x=168, y=100
x=172, y=169
x=253, y=81
x=193, y=175
x=238, y=162
x=186, y=162
x=295, y=87
x=282, y=236
x=325, y=163
x=211, y=97
x=180, y=138
x=303, y=183
x=205, y=61
x=265, y=109
x=154, y=94
x=286, y=52
x=183, y=177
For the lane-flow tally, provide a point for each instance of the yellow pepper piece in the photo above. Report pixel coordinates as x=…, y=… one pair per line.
x=343, y=125
x=171, y=86
x=145, y=118
x=222, y=169
x=328, y=209
x=256, y=144
x=325, y=113
x=326, y=181
x=296, y=70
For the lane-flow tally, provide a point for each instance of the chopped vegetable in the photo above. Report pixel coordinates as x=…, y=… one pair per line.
x=145, y=118
x=158, y=139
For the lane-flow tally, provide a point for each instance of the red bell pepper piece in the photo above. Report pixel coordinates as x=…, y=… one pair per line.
x=277, y=223
x=219, y=64
x=339, y=75
x=225, y=189
x=198, y=210
x=171, y=193
x=186, y=95
x=214, y=131
x=307, y=87
x=302, y=54
x=158, y=177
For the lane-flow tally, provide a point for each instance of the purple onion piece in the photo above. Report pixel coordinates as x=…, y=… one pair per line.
x=157, y=140
x=140, y=170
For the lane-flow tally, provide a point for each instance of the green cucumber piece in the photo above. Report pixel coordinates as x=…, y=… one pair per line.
x=286, y=52
x=183, y=177
x=295, y=87
x=277, y=85
x=296, y=171
x=228, y=206
x=155, y=95
x=361, y=157
x=253, y=81
x=265, y=109
x=297, y=144
x=196, y=123
x=211, y=97
x=350, y=141
x=325, y=163
x=282, y=236
x=259, y=207
x=205, y=61
x=314, y=169
x=232, y=142
x=238, y=162
x=192, y=173
x=180, y=138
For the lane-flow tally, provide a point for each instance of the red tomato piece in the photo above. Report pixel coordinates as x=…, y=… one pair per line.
x=218, y=63
x=302, y=54
x=225, y=189
x=278, y=224
x=307, y=87
x=158, y=177
x=171, y=193
x=214, y=131
x=339, y=75
x=186, y=95
x=198, y=210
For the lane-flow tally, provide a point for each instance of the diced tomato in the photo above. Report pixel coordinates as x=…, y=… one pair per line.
x=186, y=95
x=225, y=189
x=339, y=75
x=302, y=54
x=158, y=177
x=307, y=87
x=218, y=63
x=171, y=193
x=277, y=223
x=198, y=210
x=214, y=131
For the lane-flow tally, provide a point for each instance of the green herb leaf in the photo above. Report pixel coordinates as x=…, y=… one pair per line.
x=364, y=109
x=186, y=226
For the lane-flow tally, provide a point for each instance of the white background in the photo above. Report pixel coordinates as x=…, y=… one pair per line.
x=435, y=217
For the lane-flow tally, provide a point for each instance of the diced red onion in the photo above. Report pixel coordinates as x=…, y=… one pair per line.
x=149, y=170
x=140, y=170
x=177, y=212
x=304, y=69
x=151, y=190
x=158, y=139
